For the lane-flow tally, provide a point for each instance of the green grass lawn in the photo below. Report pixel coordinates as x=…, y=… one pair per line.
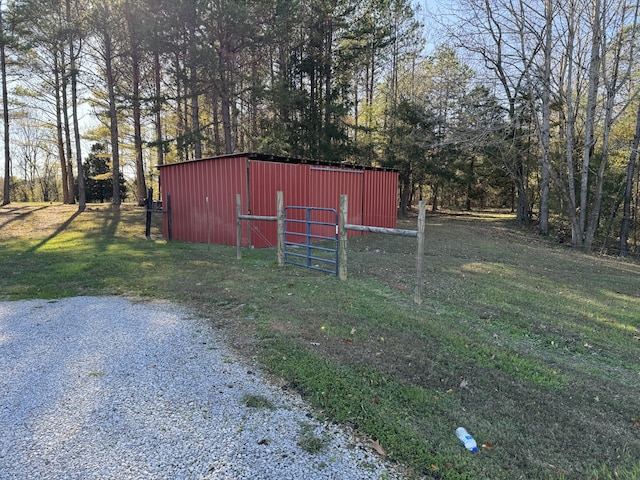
x=533, y=347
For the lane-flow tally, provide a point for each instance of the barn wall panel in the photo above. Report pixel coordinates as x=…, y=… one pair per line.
x=190, y=184
x=328, y=183
x=380, y=193
x=266, y=179
x=226, y=219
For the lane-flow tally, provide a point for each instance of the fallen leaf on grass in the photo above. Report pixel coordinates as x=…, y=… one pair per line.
x=348, y=341
x=450, y=390
x=464, y=384
x=487, y=446
x=636, y=422
x=375, y=400
x=378, y=448
x=353, y=330
x=434, y=467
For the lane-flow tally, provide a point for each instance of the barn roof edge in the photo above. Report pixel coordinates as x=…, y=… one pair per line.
x=265, y=157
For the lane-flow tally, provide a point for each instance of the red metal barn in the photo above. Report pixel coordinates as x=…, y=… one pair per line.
x=203, y=195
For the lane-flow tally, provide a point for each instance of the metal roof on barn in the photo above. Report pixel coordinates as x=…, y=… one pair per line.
x=265, y=157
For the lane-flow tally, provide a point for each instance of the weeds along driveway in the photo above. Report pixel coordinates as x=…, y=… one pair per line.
x=103, y=387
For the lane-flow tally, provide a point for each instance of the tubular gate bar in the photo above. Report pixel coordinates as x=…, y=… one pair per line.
x=310, y=248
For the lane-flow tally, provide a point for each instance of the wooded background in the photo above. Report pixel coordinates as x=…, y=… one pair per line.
x=484, y=103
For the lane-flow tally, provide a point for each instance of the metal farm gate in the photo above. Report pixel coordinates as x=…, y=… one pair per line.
x=311, y=238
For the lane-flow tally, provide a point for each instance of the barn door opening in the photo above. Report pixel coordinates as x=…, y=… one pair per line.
x=311, y=238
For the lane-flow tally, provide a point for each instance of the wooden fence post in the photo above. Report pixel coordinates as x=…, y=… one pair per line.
x=342, y=243
x=417, y=297
x=280, y=215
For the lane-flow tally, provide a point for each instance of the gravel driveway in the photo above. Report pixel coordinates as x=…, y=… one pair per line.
x=107, y=388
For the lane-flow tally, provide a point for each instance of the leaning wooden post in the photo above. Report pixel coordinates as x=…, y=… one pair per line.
x=280, y=215
x=342, y=243
x=238, y=227
x=417, y=297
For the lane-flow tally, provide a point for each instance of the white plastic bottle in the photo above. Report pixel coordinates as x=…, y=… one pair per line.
x=466, y=439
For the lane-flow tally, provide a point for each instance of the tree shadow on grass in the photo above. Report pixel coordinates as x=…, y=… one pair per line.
x=18, y=213
x=57, y=232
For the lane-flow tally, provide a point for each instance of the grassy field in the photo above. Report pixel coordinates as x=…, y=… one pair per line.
x=533, y=347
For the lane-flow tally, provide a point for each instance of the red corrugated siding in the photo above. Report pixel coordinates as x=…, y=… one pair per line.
x=266, y=179
x=380, y=191
x=372, y=196
x=190, y=184
x=328, y=183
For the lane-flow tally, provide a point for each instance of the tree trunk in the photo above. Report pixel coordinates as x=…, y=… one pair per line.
x=522, y=210
x=215, y=120
x=67, y=131
x=157, y=106
x=572, y=206
x=141, y=184
x=113, y=120
x=225, y=109
x=614, y=77
x=59, y=135
x=328, y=81
x=405, y=193
x=470, y=183
x=543, y=226
x=180, y=121
x=590, y=120
x=628, y=192
x=6, y=192
x=193, y=81
x=594, y=219
x=74, y=111
x=224, y=91
x=434, y=201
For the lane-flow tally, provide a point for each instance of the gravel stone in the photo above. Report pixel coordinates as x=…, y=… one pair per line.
x=109, y=388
